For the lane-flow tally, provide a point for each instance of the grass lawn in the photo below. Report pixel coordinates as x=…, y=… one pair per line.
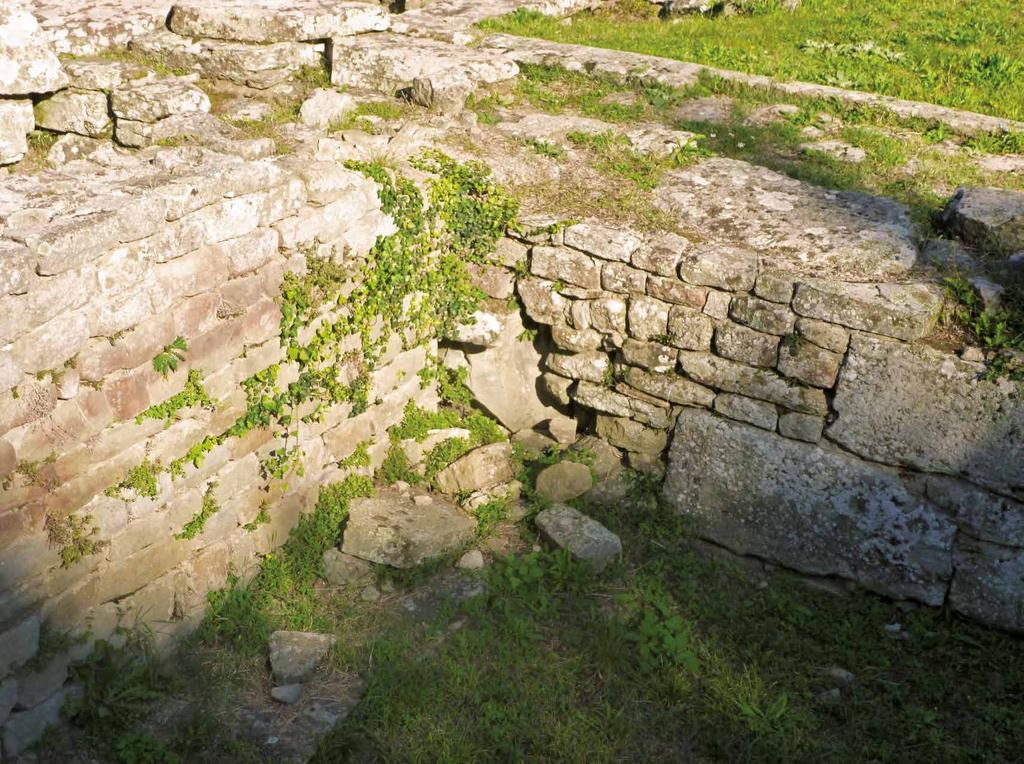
x=968, y=55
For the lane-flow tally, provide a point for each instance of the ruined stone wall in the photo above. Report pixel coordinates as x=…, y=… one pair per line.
x=184, y=255
x=801, y=420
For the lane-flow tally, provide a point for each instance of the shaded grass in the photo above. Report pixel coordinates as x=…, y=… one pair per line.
x=939, y=51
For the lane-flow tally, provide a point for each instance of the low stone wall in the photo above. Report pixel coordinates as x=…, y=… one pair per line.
x=809, y=424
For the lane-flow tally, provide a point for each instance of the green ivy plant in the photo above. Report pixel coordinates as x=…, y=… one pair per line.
x=171, y=356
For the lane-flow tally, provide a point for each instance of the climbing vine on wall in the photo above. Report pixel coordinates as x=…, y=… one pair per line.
x=341, y=315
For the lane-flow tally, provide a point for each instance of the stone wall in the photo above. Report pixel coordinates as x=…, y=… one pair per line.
x=799, y=419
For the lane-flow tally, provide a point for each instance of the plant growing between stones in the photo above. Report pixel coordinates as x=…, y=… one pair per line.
x=208, y=509
x=1000, y=330
x=171, y=356
x=74, y=536
x=193, y=394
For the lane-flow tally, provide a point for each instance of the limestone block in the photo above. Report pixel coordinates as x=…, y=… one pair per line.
x=53, y=343
x=809, y=363
x=564, y=481
x=153, y=100
x=74, y=111
x=689, y=328
x=492, y=280
x=17, y=269
x=603, y=241
x=762, y=315
x=619, y=277
x=609, y=315
x=670, y=387
x=257, y=66
x=739, y=343
x=820, y=512
x=393, y=530
x=674, y=290
x=28, y=64
x=542, y=302
x=593, y=366
x=977, y=512
x=660, y=254
x=717, y=304
x=631, y=436
x=749, y=410
x=482, y=329
x=294, y=655
x=586, y=539
x=776, y=287
x=565, y=265
x=824, y=335
x=16, y=122
x=648, y=318
x=753, y=383
x=291, y=21
x=803, y=427
x=575, y=340
x=904, y=311
x=652, y=356
x=557, y=387
x=325, y=106
x=987, y=583
x=727, y=268
x=481, y=468
x=342, y=569
x=919, y=407
x=990, y=219
x=23, y=728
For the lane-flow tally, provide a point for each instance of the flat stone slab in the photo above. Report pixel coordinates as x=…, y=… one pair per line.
x=483, y=467
x=294, y=655
x=817, y=511
x=394, y=530
x=904, y=311
x=585, y=538
x=27, y=63
x=990, y=219
x=796, y=227
x=911, y=405
x=654, y=139
x=265, y=21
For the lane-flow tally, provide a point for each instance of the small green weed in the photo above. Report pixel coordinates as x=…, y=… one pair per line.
x=171, y=356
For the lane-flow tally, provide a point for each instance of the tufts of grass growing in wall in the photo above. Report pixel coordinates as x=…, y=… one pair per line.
x=1000, y=330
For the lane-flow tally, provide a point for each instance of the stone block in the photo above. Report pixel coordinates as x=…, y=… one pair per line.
x=673, y=290
x=765, y=385
x=619, y=277
x=661, y=254
x=17, y=121
x=775, y=287
x=987, y=583
x=586, y=539
x=301, y=20
x=809, y=363
x=717, y=305
x=648, y=318
x=739, y=343
x=726, y=268
x=764, y=316
x=24, y=728
x=84, y=112
x=689, y=329
x=817, y=511
x=670, y=387
x=652, y=356
x=803, y=427
x=564, y=481
x=904, y=311
x=566, y=266
x=18, y=644
x=603, y=241
x=541, y=301
x=575, y=340
x=28, y=64
x=824, y=335
x=978, y=513
x=593, y=366
x=918, y=407
x=749, y=410
x=609, y=315
x=631, y=436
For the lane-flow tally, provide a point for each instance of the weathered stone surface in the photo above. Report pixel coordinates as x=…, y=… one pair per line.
x=749, y=410
x=585, y=538
x=823, y=334
x=325, y=106
x=482, y=330
x=393, y=530
x=803, y=427
x=840, y=150
x=631, y=436
x=441, y=76
x=689, y=329
x=608, y=315
x=775, y=287
x=564, y=481
x=256, y=66
x=24, y=728
x=576, y=340
x=481, y=468
x=16, y=122
x=268, y=22
x=904, y=311
x=660, y=254
x=27, y=63
x=603, y=241
x=989, y=219
x=739, y=343
x=288, y=694
x=818, y=511
x=679, y=292
x=809, y=363
x=542, y=302
x=504, y=378
x=153, y=100
x=762, y=315
x=74, y=111
x=909, y=405
x=18, y=644
x=670, y=387
x=342, y=569
x=753, y=383
x=619, y=277
x=987, y=583
x=648, y=318
x=471, y=560
x=652, y=356
x=729, y=268
x=795, y=227
x=601, y=398
x=977, y=512
x=8, y=696
x=493, y=280
x=294, y=655
x=565, y=265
